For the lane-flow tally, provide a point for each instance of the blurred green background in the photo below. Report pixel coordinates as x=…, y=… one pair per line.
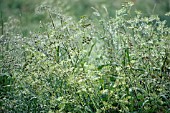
x=24, y=10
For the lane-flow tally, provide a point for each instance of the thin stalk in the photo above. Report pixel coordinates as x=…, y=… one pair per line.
x=58, y=47
x=2, y=24
x=52, y=21
x=154, y=8
x=58, y=54
x=91, y=49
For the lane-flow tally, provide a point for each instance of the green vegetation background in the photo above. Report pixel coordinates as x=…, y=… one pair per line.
x=25, y=9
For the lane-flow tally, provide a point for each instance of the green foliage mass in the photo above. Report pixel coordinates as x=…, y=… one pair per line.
x=23, y=10
x=100, y=64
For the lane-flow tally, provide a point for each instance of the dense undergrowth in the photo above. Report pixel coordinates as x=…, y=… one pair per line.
x=99, y=64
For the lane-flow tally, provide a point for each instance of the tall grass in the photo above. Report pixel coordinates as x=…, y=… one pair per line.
x=101, y=65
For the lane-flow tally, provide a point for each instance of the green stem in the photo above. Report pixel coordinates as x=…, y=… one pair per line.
x=2, y=24
x=51, y=19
